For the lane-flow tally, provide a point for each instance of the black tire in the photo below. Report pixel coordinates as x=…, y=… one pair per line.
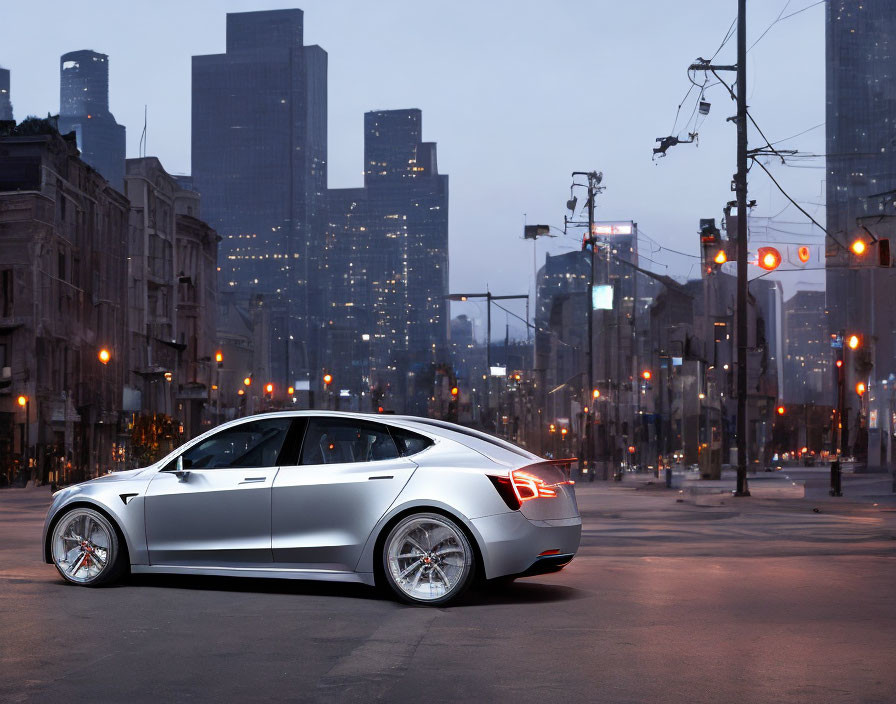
x=448, y=559
x=100, y=549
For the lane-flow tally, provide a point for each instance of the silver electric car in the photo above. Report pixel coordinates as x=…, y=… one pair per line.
x=419, y=505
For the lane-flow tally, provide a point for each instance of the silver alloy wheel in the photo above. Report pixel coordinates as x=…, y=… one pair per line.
x=83, y=545
x=428, y=558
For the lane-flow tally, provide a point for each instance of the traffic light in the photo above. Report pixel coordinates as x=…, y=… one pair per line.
x=291, y=390
x=328, y=379
x=781, y=410
x=713, y=249
x=219, y=358
x=104, y=356
x=803, y=254
x=854, y=342
x=860, y=388
x=454, y=392
x=768, y=258
x=247, y=381
x=646, y=374
x=269, y=388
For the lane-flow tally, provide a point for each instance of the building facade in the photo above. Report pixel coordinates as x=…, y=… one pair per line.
x=259, y=160
x=807, y=361
x=172, y=291
x=84, y=110
x=5, y=96
x=63, y=233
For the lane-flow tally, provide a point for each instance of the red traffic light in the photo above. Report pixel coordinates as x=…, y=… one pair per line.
x=769, y=258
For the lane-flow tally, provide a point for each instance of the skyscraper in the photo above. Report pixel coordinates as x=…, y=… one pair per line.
x=259, y=151
x=387, y=258
x=84, y=110
x=861, y=189
x=5, y=102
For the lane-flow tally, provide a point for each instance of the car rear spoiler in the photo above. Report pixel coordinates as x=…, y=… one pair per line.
x=562, y=463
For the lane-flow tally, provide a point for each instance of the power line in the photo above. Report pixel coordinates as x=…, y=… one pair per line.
x=781, y=19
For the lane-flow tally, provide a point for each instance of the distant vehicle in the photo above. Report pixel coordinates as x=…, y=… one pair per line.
x=416, y=505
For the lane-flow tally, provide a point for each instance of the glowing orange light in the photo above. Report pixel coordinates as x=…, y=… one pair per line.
x=240, y=392
x=379, y=409
x=291, y=390
x=853, y=342
x=595, y=393
x=269, y=388
x=219, y=356
x=22, y=400
x=860, y=388
x=552, y=428
x=328, y=378
x=804, y=450
x=720, y=257
x=803, y=254
x=564, y=431
x=858, y=247
x=781, y=410
x=646, y=375
x=454, y=391
x=631, y=449
x=769, y=258
x=248, y=381
x=517, y=377
x=839, y=363
x=104, y=355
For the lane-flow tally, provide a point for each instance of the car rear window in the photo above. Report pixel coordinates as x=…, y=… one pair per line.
x=409, y=443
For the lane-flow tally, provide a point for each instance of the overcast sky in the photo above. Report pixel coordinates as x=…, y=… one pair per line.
x=516, y=94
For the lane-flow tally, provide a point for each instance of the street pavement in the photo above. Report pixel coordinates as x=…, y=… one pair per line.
x=674, y=597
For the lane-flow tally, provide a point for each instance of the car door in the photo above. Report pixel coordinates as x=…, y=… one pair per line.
x=218, y=512
x=324, y=508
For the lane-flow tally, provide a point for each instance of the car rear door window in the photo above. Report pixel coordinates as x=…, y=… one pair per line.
x=339, y=441
x=409, y=443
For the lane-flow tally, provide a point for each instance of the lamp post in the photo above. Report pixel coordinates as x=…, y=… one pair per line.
x=219, y=361
x=489, y=297
x=25, y=402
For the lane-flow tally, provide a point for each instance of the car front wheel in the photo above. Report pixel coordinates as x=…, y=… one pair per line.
x=85, y=548
x=427, y=559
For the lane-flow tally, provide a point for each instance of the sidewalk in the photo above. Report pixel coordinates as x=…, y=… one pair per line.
x=811, y=484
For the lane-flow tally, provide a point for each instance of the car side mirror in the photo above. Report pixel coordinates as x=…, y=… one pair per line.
x=181, y=473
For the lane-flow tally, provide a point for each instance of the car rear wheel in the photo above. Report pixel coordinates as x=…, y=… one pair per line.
x=85, y=548
x=427, y=559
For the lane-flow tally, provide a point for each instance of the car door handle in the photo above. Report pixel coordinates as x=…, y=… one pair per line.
x=252, y=480
x=382, y=476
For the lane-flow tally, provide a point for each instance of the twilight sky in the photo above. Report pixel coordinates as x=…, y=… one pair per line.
x=516, y=94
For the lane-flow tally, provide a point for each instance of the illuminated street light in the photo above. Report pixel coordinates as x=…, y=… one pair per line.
x=854, y=342
x=646, y=375
x=104, y=355
x=247, y=381
x=860, y=388
x=595, y=393
x=22, y=401
x=269, y=388
x=291, y=390
x=328, y=379
x=721, y=257
x=781, y=410
x=858, y=247
x=455, y=391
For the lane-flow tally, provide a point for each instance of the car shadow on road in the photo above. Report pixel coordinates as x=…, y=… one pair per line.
x=519, y=592
x=250, y=585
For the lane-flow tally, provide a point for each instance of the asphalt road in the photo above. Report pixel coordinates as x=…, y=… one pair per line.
x=742, y=600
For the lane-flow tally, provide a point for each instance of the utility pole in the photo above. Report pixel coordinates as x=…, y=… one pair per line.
x=740, y=188
x=594, y=180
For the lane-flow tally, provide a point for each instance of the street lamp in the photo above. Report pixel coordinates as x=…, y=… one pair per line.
x=104, y=355
x=25, y=402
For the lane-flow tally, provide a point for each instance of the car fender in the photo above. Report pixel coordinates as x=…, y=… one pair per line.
x=122, y=501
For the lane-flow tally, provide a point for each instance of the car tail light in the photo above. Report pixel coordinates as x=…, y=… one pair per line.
x=527, y=486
